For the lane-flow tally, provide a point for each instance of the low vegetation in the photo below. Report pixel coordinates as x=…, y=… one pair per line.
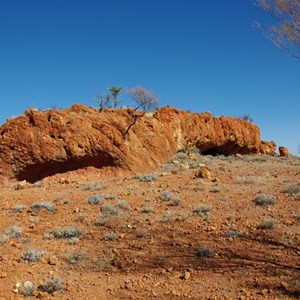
x=142, y=230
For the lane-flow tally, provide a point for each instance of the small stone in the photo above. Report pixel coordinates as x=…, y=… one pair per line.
x=53, y=261
x=211, y=228
x=3, y=275
x=187, y=275
x=204, y=172
x=285, y=285
x=17, y=285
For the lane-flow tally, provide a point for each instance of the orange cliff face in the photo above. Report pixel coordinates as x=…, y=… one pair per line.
x=39, y=144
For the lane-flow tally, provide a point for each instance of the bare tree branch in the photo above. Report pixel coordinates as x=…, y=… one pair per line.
x=285, y=32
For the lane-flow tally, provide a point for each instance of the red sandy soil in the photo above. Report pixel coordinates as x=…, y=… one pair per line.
x=153, y=252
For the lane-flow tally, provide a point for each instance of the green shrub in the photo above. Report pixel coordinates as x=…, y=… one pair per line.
x=18, y=208
x=146, y=177
x=52, y=285
x=292, y=190
x=76, y=257
x=14, y=231
x=122, y=204
x=202, y=211
x=28, y=289
x=205, y=252
x=32, y=255
x=268, y=224
x=67, y=232
x=110, y=236
x=95, y=199
x=264, y=199
x=37, y=206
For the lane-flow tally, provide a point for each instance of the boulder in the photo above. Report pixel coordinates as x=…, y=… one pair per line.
x=283, y=151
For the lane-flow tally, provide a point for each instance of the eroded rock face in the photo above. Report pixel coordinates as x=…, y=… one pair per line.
x=39, y=144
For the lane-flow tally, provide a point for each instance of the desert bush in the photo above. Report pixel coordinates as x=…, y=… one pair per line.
x=247, y=179
x=14, y=231
x=175, y=201
x=104, y=264
x=168, y=218
x=37, y=206
x=159, y=260
x=202, y=211
x=183, y=216
x=52, y=285
x=81, y=218
x=76, y=257
x=264, y=199
x=292, y=190
x=260, y=159
x=108, y=214
x=297, y=215
x=205, y=252
x=28, y=289
x=110, y=236
x=3, y=238
x=142, y=235
x=146, y=177
x=18, y=208
x=109, y=209
x=92, y=186
x=268, y=224
x=232, y=233
x=95, y=199
x=110, y=197
x=32, y=255
x=122, y=204
x=215, y=189
x=67, y=232
x=73, y=240
x=167, y=196
x=180, y=156
x=147, y=208
x=37, y=184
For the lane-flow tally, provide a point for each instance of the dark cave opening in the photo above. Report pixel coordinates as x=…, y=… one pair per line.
x=41, y=170
x=227, y=149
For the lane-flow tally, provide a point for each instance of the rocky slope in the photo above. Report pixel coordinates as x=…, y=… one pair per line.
x=39, y=144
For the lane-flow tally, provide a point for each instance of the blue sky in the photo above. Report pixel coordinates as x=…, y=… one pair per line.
x=198, y=55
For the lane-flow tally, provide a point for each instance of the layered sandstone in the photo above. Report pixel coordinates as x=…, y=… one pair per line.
x=39, y=144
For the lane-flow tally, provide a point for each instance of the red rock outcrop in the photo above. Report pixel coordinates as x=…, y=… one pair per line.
x=283, y=151
x=39, y=144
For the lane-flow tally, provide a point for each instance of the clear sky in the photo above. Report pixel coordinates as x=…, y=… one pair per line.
x=198, y=55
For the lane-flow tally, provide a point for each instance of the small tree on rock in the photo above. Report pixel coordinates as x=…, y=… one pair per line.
x=103, y=100
x=246, y=117
x=115, y=93
x=145, y=102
